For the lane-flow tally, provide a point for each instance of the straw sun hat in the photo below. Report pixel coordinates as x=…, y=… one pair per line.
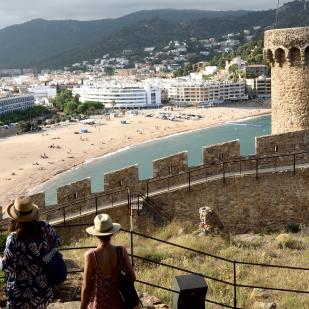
x=103, y=226
x=23, y=210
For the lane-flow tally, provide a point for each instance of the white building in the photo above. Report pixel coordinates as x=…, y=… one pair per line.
x=15, y=103
x=182, y=92
x=125, y=94
x=259, y=87
x=42, y=91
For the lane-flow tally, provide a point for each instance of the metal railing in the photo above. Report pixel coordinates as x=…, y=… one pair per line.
x=235, y=284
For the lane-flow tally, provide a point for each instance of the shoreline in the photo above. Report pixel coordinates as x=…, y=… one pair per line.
x=30, y=160
x=38, y=189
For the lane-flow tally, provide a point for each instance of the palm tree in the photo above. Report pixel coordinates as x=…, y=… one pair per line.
x=113, y=103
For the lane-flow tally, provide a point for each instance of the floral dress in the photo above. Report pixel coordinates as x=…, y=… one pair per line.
x=25, y=281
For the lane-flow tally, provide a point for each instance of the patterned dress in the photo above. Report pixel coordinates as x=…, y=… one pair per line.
x=25, y=281
x=105, y=293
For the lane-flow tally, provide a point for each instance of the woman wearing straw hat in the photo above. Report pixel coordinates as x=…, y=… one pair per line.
x=29, y=242
x=101, y=276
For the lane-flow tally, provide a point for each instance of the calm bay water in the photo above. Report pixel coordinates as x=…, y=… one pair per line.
x=144, y=154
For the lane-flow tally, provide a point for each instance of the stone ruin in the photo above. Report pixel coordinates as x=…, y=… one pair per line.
x=210, y=222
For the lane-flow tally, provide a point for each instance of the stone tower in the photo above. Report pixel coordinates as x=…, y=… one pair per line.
x=287, y=51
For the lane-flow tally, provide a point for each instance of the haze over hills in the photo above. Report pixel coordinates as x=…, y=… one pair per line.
x=53, y=44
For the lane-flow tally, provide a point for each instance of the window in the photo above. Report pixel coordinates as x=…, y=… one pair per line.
x=276, y=148
x=170, y=169
x=120, y=183
x=221, y=156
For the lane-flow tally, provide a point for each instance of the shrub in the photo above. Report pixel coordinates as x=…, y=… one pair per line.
x=287, y=241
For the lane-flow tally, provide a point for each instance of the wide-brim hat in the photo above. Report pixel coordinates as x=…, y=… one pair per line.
x=23, y=210
x=103, y=226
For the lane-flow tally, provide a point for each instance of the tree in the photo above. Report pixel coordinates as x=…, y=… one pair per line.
x=70, y=107
x=23, y=126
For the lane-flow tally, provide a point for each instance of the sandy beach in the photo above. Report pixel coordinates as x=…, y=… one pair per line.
x=30, y=159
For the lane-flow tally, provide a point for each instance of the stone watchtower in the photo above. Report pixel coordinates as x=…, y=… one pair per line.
x=287, y=51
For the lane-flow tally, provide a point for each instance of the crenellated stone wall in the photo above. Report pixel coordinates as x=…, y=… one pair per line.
x=171, y=165
x=39, y=199
x=257, y=199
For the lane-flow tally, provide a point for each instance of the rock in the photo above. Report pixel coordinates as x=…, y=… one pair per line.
x=260, y=295
x=262, y=305
x=210, y=222
x=151, y=302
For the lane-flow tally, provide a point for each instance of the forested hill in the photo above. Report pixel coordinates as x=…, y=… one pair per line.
x=54, y=44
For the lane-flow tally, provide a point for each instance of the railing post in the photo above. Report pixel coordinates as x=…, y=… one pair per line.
x=147, y=188
x=128, y=197
x=189, y=180
x=223, y=171
x=235, y=285
x=138, y=205
x=132, y=252
x=240, y=167
x=294, y=164
x=256, y=168
x=63, y=215
x=96, y=205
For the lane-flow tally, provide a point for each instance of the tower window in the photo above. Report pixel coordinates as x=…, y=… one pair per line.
x=221, y=156
x=276, y=148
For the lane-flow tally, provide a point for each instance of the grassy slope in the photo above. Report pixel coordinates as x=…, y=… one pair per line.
x=255, y=248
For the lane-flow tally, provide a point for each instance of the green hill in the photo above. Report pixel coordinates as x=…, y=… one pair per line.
x=54, y=44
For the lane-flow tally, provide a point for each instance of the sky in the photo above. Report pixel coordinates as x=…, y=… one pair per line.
x=18, y=11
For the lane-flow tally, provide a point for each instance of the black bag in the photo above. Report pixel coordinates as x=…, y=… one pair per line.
x=55, y=269
x=126, y=287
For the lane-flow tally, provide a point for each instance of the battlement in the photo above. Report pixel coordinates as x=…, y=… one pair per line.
x=287, y=47
x=177, y=165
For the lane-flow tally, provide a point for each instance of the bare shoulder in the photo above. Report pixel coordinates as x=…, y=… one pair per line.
x=88, y=255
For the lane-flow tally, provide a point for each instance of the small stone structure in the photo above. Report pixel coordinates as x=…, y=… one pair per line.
x=287, y=51
x=171, y=165
x=126, y=177
x=221, y=152
x=74, y=191
x=210, y=222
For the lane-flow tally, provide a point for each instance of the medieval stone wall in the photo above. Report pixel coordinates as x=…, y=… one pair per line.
x=264, y=199
x=287, y=51
x=244, y=203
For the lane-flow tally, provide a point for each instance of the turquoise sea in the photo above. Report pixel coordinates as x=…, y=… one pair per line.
x=145, y=153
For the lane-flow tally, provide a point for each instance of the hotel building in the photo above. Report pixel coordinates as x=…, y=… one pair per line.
x=125, y=94
x=259, y=87
x=15, y=103
x=205, y=93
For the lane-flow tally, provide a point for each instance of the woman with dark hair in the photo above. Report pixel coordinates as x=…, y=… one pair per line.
x=101, y=274
x=29, y=242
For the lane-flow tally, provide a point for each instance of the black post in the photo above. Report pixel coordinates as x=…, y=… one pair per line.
x=240, y=166
x=235, y=285
x=128, y=197
x=294, y=164
x=189, y=176
x=147, y=188
x=223, y=171
x=256, y=168
x=96, y=205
